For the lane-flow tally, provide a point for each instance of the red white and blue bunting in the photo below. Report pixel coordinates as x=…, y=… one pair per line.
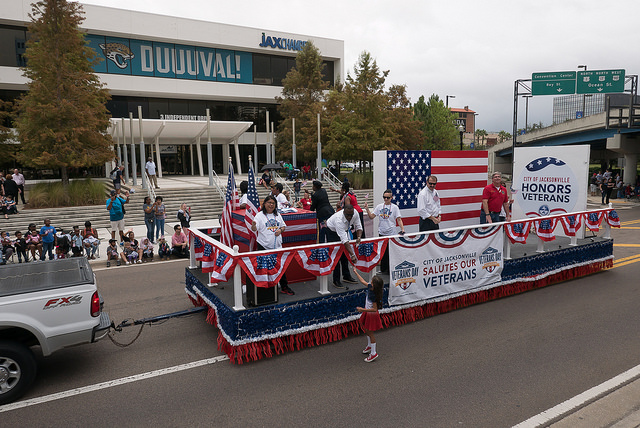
x=369, y=253
x=319, y=261
x=518, y=232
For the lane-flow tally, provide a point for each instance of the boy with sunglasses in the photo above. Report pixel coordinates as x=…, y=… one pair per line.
x=388, y=213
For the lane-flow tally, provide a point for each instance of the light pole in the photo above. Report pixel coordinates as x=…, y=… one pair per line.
x=526, y=114
x=461, y=130
x=474, y=130
x=584, y=98
x=447, y=97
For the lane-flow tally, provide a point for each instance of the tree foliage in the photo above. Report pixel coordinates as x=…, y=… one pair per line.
x=62, y=119
x=438, y=123
x=503, y=136
x=365, y=117
x=7, y=149
x=481, y=134
x=302, y=98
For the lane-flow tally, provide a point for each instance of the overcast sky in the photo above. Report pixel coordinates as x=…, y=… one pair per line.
x=474, y=50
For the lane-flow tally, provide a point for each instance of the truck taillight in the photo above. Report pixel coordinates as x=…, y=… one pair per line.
x=95, y=305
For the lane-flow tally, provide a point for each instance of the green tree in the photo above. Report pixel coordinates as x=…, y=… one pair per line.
x=62, y=118
x=481, y=133
x=302, y=98
x=365, y=117
x=7, y=149
x=503, y=136
x=358, y=127
x=438, y=123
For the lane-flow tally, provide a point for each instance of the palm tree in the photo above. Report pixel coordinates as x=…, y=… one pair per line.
x=481, y=133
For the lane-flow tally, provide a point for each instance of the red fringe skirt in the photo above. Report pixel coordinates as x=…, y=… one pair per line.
x=371, y=321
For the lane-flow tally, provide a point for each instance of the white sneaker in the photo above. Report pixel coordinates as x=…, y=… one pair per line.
x=371, y=357
x=139, y=261
x=127, y=263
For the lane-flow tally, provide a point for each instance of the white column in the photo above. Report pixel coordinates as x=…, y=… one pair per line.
x=158, y=161
x=133, y=152
x=143, y=158
x=209, y=150
x=238, y=163
x=199, y=152
x=125, y=161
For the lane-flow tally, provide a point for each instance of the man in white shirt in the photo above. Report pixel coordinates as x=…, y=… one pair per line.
x=338, y=226
x=387, y=213
x=19, y=179
x=429, y=206
x=150, y=167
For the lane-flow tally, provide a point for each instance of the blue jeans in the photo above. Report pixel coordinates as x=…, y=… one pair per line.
x=495, y=217
x=159, y=227
x=47, y=247
x=149, y=225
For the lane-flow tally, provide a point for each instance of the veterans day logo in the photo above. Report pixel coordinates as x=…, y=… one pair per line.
x=547, y=186
x=403, y=274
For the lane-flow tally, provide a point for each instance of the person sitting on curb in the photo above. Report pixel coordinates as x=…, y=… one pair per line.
x=179, y=243
x=112, y=252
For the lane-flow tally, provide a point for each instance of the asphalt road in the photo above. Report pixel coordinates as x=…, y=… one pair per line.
x=490, y=365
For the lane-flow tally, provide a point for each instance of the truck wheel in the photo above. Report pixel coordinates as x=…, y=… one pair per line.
x=17, y=370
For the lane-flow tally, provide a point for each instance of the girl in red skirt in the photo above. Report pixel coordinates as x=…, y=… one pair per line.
x=370, y=319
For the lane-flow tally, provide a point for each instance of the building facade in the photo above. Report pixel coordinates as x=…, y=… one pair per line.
x=176, y=69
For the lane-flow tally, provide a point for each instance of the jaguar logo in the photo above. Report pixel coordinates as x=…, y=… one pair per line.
x=118, y=53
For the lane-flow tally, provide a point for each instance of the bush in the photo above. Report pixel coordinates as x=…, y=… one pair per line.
x=78, y=193
x=361, y=180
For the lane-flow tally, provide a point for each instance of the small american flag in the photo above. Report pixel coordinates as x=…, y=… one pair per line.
x=462, y=175
x=231, y=203
x=253, y=206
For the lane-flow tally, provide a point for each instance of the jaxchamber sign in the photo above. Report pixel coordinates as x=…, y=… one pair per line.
x=550, y=180
x=441, y=264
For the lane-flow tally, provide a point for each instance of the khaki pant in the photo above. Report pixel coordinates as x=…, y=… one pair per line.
x=154, y=180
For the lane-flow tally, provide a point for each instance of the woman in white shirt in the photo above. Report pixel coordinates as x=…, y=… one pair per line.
x=270, y=226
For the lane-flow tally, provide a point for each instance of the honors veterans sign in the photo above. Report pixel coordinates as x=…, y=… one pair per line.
x=550, y=180
x=444, y=264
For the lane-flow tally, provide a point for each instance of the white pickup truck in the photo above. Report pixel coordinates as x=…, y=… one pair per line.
x=52, y=305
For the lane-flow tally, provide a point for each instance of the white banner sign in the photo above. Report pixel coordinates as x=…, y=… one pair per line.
x=440, y=264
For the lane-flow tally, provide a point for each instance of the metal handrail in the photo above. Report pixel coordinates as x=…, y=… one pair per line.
x=332, y=179
x=217, y=184
x=151, y=193
x=279, y=179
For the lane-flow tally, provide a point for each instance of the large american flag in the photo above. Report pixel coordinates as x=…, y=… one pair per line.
x=230, y=204
x=253, y=205
x=462, y=175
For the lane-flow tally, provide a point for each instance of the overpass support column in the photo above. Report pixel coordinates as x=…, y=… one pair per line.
x=626, y=146
x=630, y=168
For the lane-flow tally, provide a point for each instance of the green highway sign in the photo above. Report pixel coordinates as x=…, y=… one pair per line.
x=600, y=81
x=553, y=83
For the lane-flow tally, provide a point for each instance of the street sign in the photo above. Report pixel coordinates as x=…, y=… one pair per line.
x=600, y=81
x=553, y=83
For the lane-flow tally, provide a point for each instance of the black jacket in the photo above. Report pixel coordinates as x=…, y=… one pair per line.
x=321, y=205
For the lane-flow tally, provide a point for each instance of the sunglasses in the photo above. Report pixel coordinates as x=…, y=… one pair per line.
x=431, y=184
x=386, y=197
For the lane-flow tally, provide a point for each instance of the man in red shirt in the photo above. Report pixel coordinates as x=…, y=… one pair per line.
x=494, y=199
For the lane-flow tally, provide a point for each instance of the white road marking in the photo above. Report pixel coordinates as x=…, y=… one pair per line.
x=572, y=404
x=111, y=383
